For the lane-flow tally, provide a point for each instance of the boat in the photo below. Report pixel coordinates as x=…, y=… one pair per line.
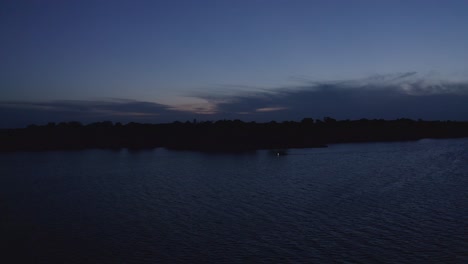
x=279, y=152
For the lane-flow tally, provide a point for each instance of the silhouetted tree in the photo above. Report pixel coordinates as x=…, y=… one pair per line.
x=224, y=134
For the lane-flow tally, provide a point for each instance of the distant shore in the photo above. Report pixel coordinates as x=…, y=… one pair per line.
x=223, y=135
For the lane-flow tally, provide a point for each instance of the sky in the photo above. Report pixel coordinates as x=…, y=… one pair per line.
x=254, y=60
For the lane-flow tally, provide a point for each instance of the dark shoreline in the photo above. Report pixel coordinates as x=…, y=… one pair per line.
x=225, y=135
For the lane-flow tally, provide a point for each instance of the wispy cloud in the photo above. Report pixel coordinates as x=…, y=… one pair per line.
x=379, y=96
x=20, y=113
x=111, y=107
x=270, y=109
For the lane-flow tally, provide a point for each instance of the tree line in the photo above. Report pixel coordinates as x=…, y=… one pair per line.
x=224, y=135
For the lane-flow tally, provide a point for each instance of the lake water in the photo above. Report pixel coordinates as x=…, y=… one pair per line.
x=355, y=203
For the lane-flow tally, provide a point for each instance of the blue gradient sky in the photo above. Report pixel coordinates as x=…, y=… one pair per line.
x=181, y=54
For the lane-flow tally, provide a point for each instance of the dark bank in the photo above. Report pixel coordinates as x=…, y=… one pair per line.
x=224, y=135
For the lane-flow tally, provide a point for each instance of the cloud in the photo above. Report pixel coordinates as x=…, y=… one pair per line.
x=380, y=96
x=112, y=107
x=410, y=83
x=270, y=109
x=21, y=113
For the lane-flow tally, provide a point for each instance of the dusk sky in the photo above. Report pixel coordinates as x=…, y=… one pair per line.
x=161, y=61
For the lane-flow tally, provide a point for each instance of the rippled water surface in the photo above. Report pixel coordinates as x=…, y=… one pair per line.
x=381, y=202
